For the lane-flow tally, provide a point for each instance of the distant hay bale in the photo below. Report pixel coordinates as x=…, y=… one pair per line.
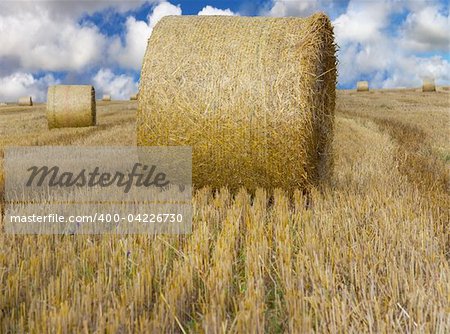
x=106, y=98
x=362, y=86
x=253, y=96
x=71, y=106
x=25, y=101
x=428, y=85
x=134, y=97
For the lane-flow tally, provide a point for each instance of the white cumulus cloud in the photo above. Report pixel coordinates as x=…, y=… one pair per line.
x=208, y=10
x=373, y=48
x=40, y=41
x=44, y=36
x=427, y=30
x=70, y=8
x=363, y=21
x=49, y=36
x=163, y=9
x=410, y=71
x=120, y=86
x=131, y=53
x=20, y=84
x=280, y=8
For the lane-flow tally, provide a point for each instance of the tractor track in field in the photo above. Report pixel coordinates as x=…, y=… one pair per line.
x=414, y=153
x=421, y=167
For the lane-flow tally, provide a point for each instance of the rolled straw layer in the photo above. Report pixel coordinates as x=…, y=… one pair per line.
x=362, y=86
x=428, y=85
x=25, y=101
x=253, y=96
x=71, y=106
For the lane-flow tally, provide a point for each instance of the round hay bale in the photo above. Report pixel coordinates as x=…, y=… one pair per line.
x=428, y=85
x=362, y=86
x=134, y=97
x=254, y=97
x=25, y=101
x=106, y=98
x=71, y=106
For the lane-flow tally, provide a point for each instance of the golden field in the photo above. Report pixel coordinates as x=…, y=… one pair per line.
x=368, y=252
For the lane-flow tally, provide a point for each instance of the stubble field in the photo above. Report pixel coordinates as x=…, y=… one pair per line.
x=369, y=252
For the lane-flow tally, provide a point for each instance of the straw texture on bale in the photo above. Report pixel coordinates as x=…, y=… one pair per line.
x=71, y=106
x=428, y=85
x=106, y=98
x=25, y=101
x=134, y=97
x=362, y=86
x=253, y=96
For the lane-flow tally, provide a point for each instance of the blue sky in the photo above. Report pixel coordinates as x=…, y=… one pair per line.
x=390, y=43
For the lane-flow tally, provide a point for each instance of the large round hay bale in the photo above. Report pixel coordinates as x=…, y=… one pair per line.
x=106, y=98
x=71, y=106
x=25, y=101
x=362, y=86
x=428, y=85
x=134, y=97
x=253, y=96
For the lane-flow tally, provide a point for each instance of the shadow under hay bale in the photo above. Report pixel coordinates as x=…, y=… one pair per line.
x=428, y=85
x=71, y=106
x=25, y=101
x=253, y=96
x=362, y=86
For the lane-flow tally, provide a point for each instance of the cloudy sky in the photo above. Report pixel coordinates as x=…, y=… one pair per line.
x=390, y=43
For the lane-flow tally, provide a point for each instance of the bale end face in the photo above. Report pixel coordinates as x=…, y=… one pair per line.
x=25, y=101
x=71, y=106
x=253, y=96
x=362, y=86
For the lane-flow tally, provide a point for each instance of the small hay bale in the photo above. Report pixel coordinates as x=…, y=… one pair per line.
x=362, y=86
x=25, y=101
x=428, y=85
x=106, y=98
x=253, y=96
x=71, y=106
x=134, y=97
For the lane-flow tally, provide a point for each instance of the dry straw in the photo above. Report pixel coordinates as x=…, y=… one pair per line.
x=428, y=85
x=362, y=86
x=106, y=98
x=25, y=101
x=70, y=106
x=253, y=96
x=134, y=97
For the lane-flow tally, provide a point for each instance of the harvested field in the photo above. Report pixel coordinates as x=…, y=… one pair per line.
x=370, y=252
